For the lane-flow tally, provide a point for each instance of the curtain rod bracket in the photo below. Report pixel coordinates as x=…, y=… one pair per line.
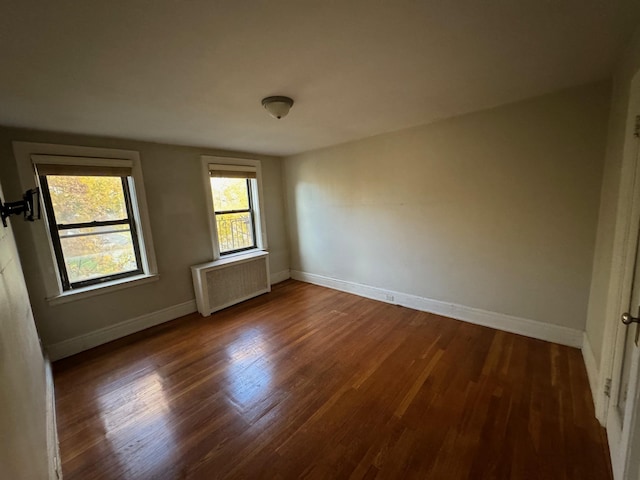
x=30, y=199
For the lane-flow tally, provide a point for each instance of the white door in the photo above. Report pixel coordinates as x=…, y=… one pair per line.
x=622, y=419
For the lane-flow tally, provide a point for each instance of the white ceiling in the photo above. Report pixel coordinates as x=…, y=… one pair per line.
x=194, y=71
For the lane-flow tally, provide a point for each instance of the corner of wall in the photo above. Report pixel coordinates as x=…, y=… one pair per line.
x=593, y=374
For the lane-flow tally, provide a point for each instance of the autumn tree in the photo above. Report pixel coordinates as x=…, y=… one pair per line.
x=91, y=252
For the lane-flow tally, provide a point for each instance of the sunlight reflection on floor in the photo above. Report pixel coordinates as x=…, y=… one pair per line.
x=136, y=418
x=249, y=375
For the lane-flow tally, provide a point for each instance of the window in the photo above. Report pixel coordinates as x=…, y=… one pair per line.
x=233, y=209
x=91, y=222
x=233, y=190
x=95, y=236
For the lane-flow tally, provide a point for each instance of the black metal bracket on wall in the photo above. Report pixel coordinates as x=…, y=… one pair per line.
x=29, y=207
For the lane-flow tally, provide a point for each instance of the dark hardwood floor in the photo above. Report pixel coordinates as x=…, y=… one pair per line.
x=307, y=382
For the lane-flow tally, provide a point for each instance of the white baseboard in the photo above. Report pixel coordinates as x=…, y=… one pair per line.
x=508, y=323
x=53, y=449
x=280, y=276
x=89, y=340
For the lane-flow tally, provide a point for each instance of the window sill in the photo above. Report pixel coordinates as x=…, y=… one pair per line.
x=107, y=287
x=234, y=258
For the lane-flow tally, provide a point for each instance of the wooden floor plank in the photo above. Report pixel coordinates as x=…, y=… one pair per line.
x=307, y=382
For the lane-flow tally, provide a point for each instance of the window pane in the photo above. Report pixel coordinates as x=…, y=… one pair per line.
x=86, y=199
x=97, y=252
x=229, y=194
x=235, y=231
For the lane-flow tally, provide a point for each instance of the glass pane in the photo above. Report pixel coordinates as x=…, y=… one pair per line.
x=86, y=199
x=235, y=231
x=229, y=194
x=96, y=252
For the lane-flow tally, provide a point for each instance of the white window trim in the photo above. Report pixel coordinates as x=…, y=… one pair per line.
x=226, y=163
x=25, y=153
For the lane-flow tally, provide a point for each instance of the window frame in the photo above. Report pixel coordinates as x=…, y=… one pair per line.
x=55, y=228
x=28, y=155
x=216, y=163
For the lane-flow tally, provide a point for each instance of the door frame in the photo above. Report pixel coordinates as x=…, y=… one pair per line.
x=620, y=284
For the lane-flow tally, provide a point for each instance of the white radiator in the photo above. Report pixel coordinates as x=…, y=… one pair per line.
x=225, y=282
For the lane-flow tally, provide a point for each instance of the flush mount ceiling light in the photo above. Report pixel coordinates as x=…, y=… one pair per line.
x=278, y=106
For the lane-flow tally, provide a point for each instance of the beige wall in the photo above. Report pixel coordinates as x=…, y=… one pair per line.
x=178, y=216
x=603, y=259
x=23, y=419
x=495, y=210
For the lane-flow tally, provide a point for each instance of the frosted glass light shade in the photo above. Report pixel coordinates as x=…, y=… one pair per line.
x=277, y=107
